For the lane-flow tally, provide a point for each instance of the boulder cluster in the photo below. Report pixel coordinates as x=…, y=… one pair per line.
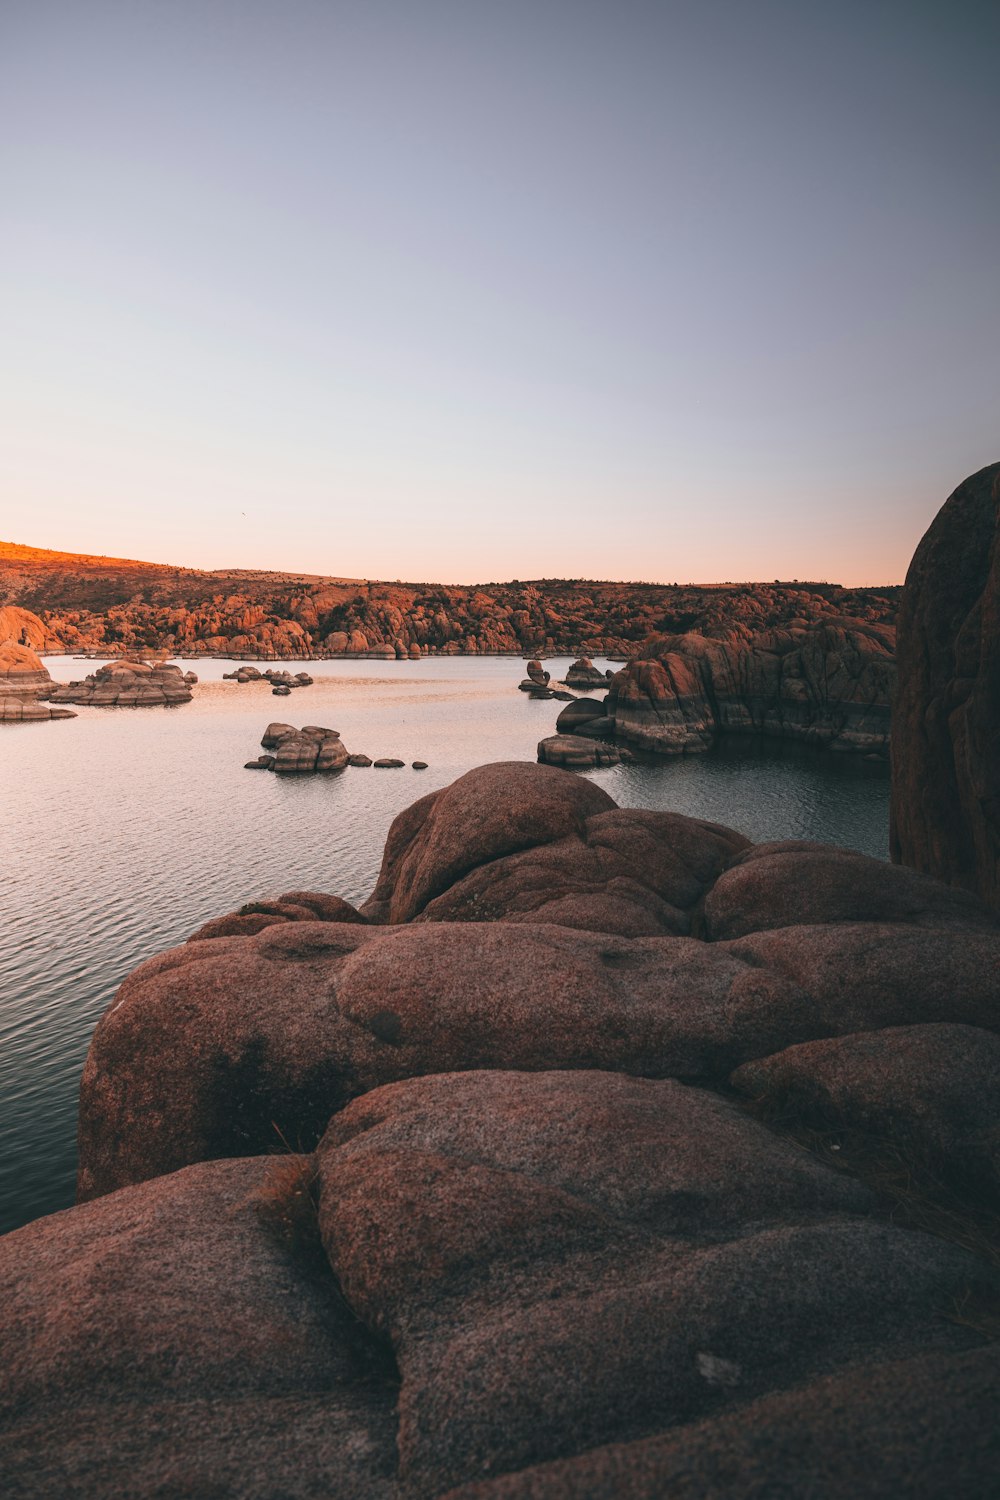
x=583, y=1105
x=282, y=682
x=129, y=683
x=313, y=749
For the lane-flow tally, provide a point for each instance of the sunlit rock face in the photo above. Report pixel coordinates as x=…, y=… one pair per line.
x=24, y=679
x=549, y=1227
x=824, y=682
x=946, y=735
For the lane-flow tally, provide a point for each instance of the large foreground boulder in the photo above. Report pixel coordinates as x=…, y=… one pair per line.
x=946, y=711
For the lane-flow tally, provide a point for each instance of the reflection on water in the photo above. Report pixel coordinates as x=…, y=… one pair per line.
x=124, y=829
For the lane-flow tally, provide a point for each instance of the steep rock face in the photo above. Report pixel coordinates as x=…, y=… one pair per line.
x=825, y=682
x=946, y=757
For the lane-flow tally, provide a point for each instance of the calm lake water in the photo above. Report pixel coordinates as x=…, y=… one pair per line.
x=125, y=829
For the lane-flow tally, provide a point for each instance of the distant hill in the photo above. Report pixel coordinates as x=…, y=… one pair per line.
x=113, y=604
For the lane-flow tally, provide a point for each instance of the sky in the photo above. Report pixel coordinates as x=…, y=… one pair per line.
x=469, y=290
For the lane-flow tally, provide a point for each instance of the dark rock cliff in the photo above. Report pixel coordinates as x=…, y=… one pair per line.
x=946, y=761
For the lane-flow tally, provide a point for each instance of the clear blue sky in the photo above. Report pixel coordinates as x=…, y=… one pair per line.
x=466, y=291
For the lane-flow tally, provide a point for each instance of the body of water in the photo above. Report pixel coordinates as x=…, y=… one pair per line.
x=125, y=829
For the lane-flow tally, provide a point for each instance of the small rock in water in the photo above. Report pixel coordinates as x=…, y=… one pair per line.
x=419, y=765
x=386, y=763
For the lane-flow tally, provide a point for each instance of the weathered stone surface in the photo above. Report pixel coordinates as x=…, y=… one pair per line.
x=316, y=1013
x=782, y=885
x=932, y=1091
x=575, y=752
x=490, y=812
x=293, y=906
x=19, y=627
x=922, y=1428
x=583, y=715
x=557, y=1266
x=826, y=682
x=129, y=683
x=301, y=751
x=23, y=708
x=533, y=1197
x=548, y=930
x=173, y=1339
x=22, y=672
x=946, y=711
x=629, y=872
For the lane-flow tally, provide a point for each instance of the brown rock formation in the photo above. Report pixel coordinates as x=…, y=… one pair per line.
x=171, y=1340
x=301, y=751
x=24, y=679
x=825, y=682
x=129, y=684
x=583, y=674
x=527, y=847
x=576, y=752
x=946, y=757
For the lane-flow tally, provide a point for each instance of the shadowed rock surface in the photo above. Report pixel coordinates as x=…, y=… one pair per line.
x=931, y=1091
x=922, y=1428
x=531, y=924
x=946, y=757
x=173, y=1339
x=826, y=682
x=576, y=752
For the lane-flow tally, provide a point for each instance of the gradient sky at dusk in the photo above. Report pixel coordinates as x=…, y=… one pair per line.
x=441, y=289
